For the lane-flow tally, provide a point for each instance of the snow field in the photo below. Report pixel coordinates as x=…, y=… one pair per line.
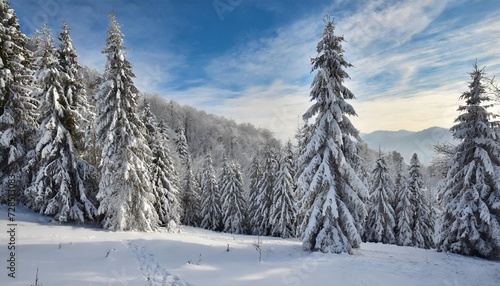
x=75, y=255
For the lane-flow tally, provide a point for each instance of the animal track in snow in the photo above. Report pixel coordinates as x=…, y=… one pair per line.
x=152, y=270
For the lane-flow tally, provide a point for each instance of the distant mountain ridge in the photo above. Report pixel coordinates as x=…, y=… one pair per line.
x=409, y=142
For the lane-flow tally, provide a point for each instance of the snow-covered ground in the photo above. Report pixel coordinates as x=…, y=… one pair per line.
x=74, y=255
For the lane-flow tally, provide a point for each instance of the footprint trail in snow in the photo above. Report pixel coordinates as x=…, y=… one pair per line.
x=151, y=269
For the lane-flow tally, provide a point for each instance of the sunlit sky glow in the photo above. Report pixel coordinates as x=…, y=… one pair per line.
x=249, y=60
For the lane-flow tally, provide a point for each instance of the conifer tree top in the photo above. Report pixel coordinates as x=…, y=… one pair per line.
x=117, y=66
x=474, y=120
x=115, y=39
x=67, y=53
x=327, y=88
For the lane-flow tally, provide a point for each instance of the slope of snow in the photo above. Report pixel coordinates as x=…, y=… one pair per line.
x=75, y=255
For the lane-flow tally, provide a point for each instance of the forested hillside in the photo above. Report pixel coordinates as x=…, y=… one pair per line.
x=210, y=133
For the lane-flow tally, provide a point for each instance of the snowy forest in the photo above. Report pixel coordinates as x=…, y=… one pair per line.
x=89, y=147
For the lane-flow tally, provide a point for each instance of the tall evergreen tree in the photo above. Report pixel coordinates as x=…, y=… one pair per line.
x=334, y=193
x=261, y=218
x=304, y=134
x=182, y=146
x=191, y=199
x=398, y=176
x=125, y=190
x=291, y=157
x=58, y=186
x=404, y=214
x=72, y=85
x=253, y=193
x=17, y=104
x=471, y=196
x=165, y=181
x=283, y=212
x=423, y=223
x=35, y=44
x=381, y=223
x=440, y=164
x=211, y=213
x=191, y=188
x=92, y=80
x=232, y=199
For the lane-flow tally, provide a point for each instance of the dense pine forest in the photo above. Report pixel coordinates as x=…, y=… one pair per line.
x=89, y=147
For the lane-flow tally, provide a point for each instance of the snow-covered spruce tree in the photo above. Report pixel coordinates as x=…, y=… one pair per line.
x=381, y=223
x=17, y=105
x=182, y=146
x=471, y=196
x=92, y=80
x=441, y=162
x=435, y=210
x=191, y=200
x=165, y=182
x=398, y=169
x=58, y=187
x=127, y=201
x=261, y=218
x=253, y=193
x=73, y=86
x=303, y=135
x=404, y=214
x=211, y=214
x=283, y=212
x=423, y=222
x=232, y=199
x=333, y=191
x=289, y=153
x=35, y=45
x=359, y=165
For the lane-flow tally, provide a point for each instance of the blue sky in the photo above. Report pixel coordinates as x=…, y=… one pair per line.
x=249, y=60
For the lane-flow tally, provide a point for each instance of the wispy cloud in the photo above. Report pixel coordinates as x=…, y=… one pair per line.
x=379, y=40
x=382, y=25
x=416, y=83
x=154, y=70
x=284, y=56
x=437, y=60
